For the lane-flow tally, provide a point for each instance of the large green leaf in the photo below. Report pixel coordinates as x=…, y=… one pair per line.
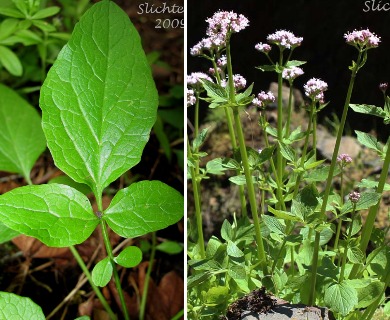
x=340, y=297
x=58, y=215
x=19, y=308
x=99, y=100
x=7, y=234
x=22, y=139
x=144, y=207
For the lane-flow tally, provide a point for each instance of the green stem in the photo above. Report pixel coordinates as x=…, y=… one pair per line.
x=83, y=267
x=147, y=278
x=289, y=112
x=344, y=259
x=178, y=315
x=279, y=157
x=369, y=225
x=251, y=190
x=305, y=147
x=330, y=176
x=198, y=214
x=115, y=271
x=336, y=242
x=292, y=261
x=232, y=99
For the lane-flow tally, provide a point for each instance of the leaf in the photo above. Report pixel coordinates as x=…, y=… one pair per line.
x=274, y=225
x=368, y=290
x=170, y=247
x=216, y=295
x=99, y=100
x=102, y=272
x=10, y=61
x=43, y=25
x=7, y=234
x=237, y=272
x=341, y=298
x=46, y=12
x=83, y=188
x=367, y=200
x=287, y=152
x=16, y=307
x=371, y=184
x=368, y=109
x=7, y=27
x=144, y=207
x=267, y=68
x=55, y=214
x=233, y=251
x=198, y=278
x=200, y=139
x=320, y=174
x=368, y=140
x=355, y=255
x=162, y=137
x=22, y=137
x=11, y=12
x=215, y=91
x=227, y=232
x=294, y=63
x=129, y=257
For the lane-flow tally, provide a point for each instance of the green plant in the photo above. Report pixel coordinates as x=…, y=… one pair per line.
x=295, y=246
x=99, y=104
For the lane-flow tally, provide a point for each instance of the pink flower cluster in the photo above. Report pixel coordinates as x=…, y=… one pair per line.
x=292, y=73
x=191, y=99
x=194, y=79
x=263, y=99
x=383, y=86
x=239, y=82
x=362, y=39
x=221, y=25
x=284, y=39
x=222, y=61
x=354, y=196
x=314, y=89
x=263, y=47
x=344, y=159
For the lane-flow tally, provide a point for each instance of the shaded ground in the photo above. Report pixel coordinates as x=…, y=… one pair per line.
x=49, y=275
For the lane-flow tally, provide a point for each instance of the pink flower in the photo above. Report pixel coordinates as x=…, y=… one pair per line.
x=354, y=196
x=263, y=47
x=263, y=99
x=222, y=61
x=314, y=89
x=194, y=79
x=292, y=73
x=191, y=99
x=239, y=82
x=344, y=159
x=284, y=39
x=363, y=39
x=383, y=86
x=223, y=22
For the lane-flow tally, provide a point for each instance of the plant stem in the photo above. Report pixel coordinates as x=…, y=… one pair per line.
x=369, y=225
x=251, y=190
x=198, y=213
x=178, y=315
x=147, y=278
x=83, y=267
x=289, y=112
x=344, y=259
x=279, y=157
x=336, y=242
x=330, y=177
x=115, y=271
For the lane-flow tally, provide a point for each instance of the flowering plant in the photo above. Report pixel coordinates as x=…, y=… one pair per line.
x=294, y=244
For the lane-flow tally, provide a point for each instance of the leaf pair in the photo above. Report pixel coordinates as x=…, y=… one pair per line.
x=99, y=103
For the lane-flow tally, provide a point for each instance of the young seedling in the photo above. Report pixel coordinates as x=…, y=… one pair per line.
x=99, y=103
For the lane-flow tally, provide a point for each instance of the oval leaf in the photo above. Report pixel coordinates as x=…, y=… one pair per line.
x=47, y=12
x=10, y=61
x=22, y=136
x=19, y=308
x=102, y=272
x=99, y=99
x=58, y=215
x=144, y=207
x=129, y=257
x=341, y=298
x=170, y=247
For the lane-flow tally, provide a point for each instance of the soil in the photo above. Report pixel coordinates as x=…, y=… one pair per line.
x=50, y=276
